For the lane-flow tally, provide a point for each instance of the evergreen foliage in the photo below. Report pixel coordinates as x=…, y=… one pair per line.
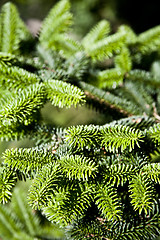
x=18, y=221
x=97, y=182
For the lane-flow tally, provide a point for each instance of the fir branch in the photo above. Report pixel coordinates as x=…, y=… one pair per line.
x=113, y=138
x=23, y=31
x=45, y=184
x=27, y=160
x=144, y=77
x=148, y=41
x=120, y=137
x=64, y=94
x=78, y=167
x=141, y=193
x=153, y=171
x=12, y=29
x=7, y=59
x=49, y=73
x=8, y=180
x=69, y=204
x=20, y=109
x=97, y=33
x=52, y=59
x=154, y=132
x=101, y=228
x=123, y=60
x=106, y=47
x=81, y=137
x=138, y=122
x=9, y=39
x=109, y=100
x=60, y=19
x=119, y=174
x=131, y=37
x=77, y=66
x=15, y=77
x=66, y=45
x=107, y=201
x=140, y=230
x=110, y=78
x=137, y=94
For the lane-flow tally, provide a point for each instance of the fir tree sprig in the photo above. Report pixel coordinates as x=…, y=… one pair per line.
x=99, y=181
